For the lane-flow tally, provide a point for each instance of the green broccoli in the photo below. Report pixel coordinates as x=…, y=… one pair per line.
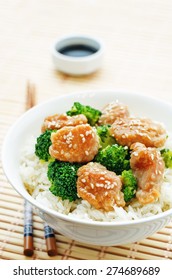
x=104, y=136
x=167, y=157
x=115, y=158
x=129, y=185
x=63, y=177
x=91, y=114
x=42, y=145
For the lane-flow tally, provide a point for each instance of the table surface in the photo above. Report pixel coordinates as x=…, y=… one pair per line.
x=138, y=41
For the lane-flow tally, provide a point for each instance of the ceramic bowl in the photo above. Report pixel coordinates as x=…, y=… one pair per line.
x=97, y=233
x=77, y=65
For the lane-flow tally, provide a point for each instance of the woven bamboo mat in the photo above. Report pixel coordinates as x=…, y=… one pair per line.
x=138, y=57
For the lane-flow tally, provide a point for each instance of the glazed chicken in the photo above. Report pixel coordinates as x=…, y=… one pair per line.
x=74, y=143
x=113, y=111
x=148, y=167
x=131, y=130
x=100, y=187
x=58, y=121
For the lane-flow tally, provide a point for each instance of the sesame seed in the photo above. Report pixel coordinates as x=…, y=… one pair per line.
x=120, y=122
x=103, y=172
x=57, y=125
x=88, y=132
x=107, y=182
x=83, y=180
x=152, y=156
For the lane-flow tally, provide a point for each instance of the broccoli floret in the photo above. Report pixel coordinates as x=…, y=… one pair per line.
x=104, y=136
x=63, y=177
x=114, y=158
x=167, y=157
x=129, y=185
x=42, y=145
x=91, y=114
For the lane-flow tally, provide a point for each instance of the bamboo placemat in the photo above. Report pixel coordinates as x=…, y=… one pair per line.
x=138, y=57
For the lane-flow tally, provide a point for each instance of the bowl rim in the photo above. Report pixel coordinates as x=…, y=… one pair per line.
x=65, y=217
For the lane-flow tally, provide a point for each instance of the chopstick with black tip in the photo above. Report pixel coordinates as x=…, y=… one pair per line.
x=28, y=222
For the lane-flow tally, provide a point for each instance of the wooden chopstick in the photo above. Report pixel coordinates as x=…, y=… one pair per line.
x=50, y=240
x=30, y=96
x=28, y=224
x=28, y=230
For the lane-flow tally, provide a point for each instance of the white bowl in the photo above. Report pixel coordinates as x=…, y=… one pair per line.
x=77, y=65
x=97, y=233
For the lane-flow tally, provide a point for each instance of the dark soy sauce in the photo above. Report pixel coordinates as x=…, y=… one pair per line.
x=77, y=50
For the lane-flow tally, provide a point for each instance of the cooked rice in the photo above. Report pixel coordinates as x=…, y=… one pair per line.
x=34, y=175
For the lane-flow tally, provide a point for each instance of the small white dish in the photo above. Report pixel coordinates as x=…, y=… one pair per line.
x=77, y=54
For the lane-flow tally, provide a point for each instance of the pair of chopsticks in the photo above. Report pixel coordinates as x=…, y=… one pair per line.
x=28, y=212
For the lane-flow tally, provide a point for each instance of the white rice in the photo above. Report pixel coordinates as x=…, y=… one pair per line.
x=34, y=176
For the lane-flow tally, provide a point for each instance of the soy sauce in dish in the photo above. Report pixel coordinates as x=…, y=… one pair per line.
x=77, y=50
